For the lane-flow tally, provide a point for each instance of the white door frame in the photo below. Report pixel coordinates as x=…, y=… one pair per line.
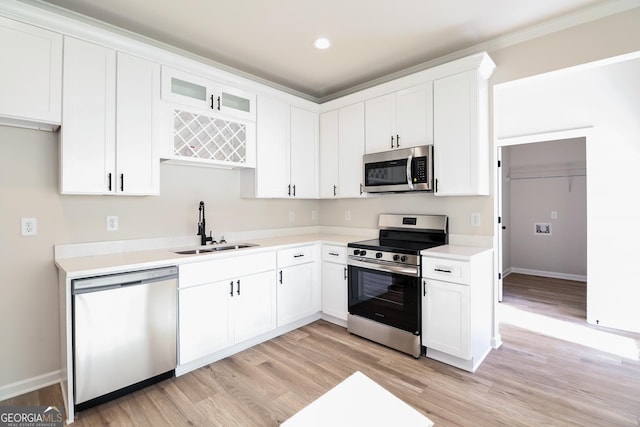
x=585, y=132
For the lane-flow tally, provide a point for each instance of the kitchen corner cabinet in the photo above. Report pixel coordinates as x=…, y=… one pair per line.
x=334, y=281
x=299, y=293
x=30, y=76
x=457, y=302
x=219, y=307
x=287, y=151
x=460, y=132
x=400, y=120
x=108, y=135
x=341, y=150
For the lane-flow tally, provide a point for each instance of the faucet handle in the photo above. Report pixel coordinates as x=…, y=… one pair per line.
x=222, y=241
x=210, y=238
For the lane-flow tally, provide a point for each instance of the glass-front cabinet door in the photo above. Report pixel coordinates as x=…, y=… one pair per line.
x=195, y=91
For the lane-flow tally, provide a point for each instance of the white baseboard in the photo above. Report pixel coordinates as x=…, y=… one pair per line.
x=30, y=384
x=552, y=274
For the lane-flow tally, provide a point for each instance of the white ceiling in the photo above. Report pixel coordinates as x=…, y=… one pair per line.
x=273, y=39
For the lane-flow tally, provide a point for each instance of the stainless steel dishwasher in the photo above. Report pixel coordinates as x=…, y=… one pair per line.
x=124, y=333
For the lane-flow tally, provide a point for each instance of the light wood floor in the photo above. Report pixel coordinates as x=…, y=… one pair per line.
x=532, y=380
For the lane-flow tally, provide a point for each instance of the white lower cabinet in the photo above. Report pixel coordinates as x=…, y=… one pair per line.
x=224, y=302
x=334, y=281
x=457, y=313
x=299, y=293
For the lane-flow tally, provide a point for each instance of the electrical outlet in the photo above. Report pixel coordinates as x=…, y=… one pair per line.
x=292, y=216
x=112, y=223
x=29, y=227
x=314, y=214
x=554, y=214
x=347, y=215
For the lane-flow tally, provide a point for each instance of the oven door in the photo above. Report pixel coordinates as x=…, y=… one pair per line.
x=385, y=294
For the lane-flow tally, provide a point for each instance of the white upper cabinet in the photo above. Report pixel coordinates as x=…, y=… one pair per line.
x=99, y=154
x=206, y=123
x=205, y=94
x=400, y=120
x=461, y=140
x=30, y=76
x=287, y=152
x=341, y=150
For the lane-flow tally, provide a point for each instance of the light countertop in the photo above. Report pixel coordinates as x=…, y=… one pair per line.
x=463, y=253
x=83, y=266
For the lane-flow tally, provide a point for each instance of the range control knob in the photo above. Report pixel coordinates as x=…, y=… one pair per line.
x=396, y=257
x=404, y=258
x=356, y=251
x=379, y=255
x=363, y=253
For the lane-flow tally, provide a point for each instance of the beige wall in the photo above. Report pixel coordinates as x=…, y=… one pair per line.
x=28, y=187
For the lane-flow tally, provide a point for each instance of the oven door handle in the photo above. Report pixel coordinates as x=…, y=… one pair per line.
x=409, y=177
x=399, y=269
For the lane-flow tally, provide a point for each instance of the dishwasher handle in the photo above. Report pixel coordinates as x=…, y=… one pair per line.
x=119, y=280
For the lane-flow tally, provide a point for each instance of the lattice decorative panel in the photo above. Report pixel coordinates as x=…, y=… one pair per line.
x=210, y=138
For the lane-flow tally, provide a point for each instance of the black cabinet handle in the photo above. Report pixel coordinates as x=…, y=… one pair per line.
x=238, y=283
x=109, y=181
x=424, y=288
x=397, y=141
x=361, y=189
x=334, y=190
x=289, y=192
x=231, y=288
x=218, y=103
x=391, y=141
x=280, y=276
x=212, y=102
x=441, y=270
x=294, y=191
x=121, y=182
x=345, y=273
x=436, y=186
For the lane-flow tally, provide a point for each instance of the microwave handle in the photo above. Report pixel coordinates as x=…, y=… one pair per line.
x=409, y=177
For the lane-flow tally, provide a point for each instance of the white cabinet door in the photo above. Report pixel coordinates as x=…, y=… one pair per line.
x=351, y=134
x=414, y=116
x=304, y=153
x=380, y=126
x=254, y=305
x=329, y=154
x=297, y=293
x=88, y=132
x=460, y=135
x=187, y=89
x=272, y=168
x=334, y=289
x=138, y=95
x=31, y=74
x=446, y=318
x=204, y=313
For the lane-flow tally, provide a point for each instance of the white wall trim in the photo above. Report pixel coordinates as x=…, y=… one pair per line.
x=552, y=274
x=28, y=385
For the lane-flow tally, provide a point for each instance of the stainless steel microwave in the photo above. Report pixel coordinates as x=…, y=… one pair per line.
x=400, y=170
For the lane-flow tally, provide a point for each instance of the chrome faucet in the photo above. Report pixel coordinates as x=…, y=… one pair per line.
x=202, y=229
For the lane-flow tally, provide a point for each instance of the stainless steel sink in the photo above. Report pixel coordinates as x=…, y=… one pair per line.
x=216, y=248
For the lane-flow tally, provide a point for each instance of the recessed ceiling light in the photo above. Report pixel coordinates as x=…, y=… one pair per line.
x=322, y=43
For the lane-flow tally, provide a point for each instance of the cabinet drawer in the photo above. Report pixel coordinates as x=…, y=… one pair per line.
x=333, y=253
x=295, y=256
x=446, y=269
x=226, y=268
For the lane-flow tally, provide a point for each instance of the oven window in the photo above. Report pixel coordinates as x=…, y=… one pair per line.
x=388, y=298
x=386, y=173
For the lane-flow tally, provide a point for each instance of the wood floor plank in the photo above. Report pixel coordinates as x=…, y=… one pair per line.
x=534, y=379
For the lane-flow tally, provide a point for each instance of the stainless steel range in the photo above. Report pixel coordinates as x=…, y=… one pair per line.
x=384, y=280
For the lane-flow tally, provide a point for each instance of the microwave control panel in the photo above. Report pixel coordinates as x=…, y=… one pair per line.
x=419, y=170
